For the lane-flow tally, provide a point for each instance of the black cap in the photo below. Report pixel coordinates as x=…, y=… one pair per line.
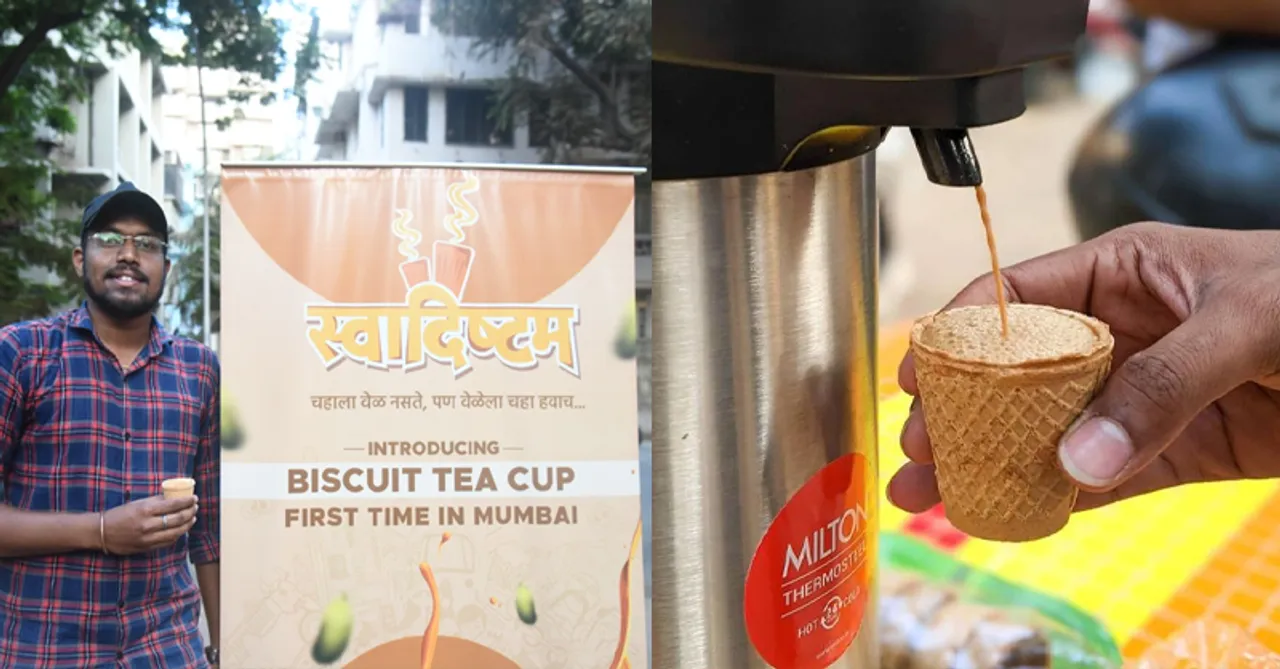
x=125, y=201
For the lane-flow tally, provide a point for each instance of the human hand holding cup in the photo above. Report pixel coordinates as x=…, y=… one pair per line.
x=147, y=524
x=1194, y=389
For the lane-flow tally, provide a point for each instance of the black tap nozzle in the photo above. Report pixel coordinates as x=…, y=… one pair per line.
x=948, y=156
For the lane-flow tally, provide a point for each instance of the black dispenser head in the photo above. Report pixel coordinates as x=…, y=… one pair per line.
x=948, y=156
x=753, y=86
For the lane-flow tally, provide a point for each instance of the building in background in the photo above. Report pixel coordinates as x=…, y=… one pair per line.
x=249, y=130
x=237, y=130
x=118, y=138
x=118, y=134
x=246, y=119
x=398, y=89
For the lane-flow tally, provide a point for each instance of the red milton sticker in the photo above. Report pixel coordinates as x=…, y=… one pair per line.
x=806, y=589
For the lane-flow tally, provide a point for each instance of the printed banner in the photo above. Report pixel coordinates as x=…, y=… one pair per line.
x=430, y=452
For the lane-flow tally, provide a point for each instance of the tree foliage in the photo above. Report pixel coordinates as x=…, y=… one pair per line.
x=580, y=70
x=47, y=51
x=185, y=297
x=185, y=294
x=307, y=63
x=236, y=34
x=34, y=255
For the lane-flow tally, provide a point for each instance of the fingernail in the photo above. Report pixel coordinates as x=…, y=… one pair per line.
x=1095, y=452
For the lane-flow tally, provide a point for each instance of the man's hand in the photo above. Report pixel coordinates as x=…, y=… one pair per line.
x=148, y=524
x=1194, y=394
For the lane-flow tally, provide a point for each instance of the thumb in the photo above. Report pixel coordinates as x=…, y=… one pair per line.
x=1150, y=399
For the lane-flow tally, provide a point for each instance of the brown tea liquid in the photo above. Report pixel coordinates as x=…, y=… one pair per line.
x=620, y=659
x=995, y=262
x=432, y=634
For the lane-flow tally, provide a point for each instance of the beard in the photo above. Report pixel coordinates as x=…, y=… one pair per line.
x=124, y=309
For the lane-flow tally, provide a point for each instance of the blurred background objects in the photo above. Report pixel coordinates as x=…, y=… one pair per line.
x=1168, y=111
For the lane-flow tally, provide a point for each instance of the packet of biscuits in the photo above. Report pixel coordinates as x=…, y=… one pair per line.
x=939, y=613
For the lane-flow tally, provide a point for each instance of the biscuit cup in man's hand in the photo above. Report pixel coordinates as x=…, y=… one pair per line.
x=995, y=409
x=175, y=488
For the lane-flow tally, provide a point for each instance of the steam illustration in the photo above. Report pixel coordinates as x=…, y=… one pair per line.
x=414, y=270
x=450, y=262
x=408, y=236
x=452, y=258
x=464, y=213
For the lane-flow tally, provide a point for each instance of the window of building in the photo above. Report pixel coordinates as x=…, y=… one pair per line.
x=469, y=119
x=413, y=21
x=445, y=9
x=540, y=122
x=380, y=112
x=441, y=14
x=415, y=113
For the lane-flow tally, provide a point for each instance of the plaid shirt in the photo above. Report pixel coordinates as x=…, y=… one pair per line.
x=79, y=434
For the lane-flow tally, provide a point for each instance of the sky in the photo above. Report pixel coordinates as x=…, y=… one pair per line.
x=298, y=21
x=296, y=14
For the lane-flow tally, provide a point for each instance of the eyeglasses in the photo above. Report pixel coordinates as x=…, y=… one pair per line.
x=143, y=243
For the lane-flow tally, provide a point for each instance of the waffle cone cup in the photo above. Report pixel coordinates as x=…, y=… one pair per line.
x=996, y=408
x=181, y=487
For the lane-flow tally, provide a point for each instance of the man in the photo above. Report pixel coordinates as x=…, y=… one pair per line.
x=98, y=406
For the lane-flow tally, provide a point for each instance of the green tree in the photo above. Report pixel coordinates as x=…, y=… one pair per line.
x=238, y=33
x=34, y=254
x=307, y=63
x=186, y=290
x=46, y=48
x=186, y=283
x=592, y=104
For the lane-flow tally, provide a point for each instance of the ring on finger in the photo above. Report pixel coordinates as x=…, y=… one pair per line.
x=164, y=520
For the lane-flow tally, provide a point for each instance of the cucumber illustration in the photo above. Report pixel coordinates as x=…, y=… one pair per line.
x=524, y=605
x=335, y=632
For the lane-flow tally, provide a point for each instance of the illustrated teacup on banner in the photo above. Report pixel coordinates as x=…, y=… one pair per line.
x=452, y=265
x=415, y=272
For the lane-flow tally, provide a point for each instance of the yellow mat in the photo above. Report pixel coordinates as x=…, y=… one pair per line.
x=1144, y=567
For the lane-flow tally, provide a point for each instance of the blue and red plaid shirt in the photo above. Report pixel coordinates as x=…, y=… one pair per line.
x=79, y=434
